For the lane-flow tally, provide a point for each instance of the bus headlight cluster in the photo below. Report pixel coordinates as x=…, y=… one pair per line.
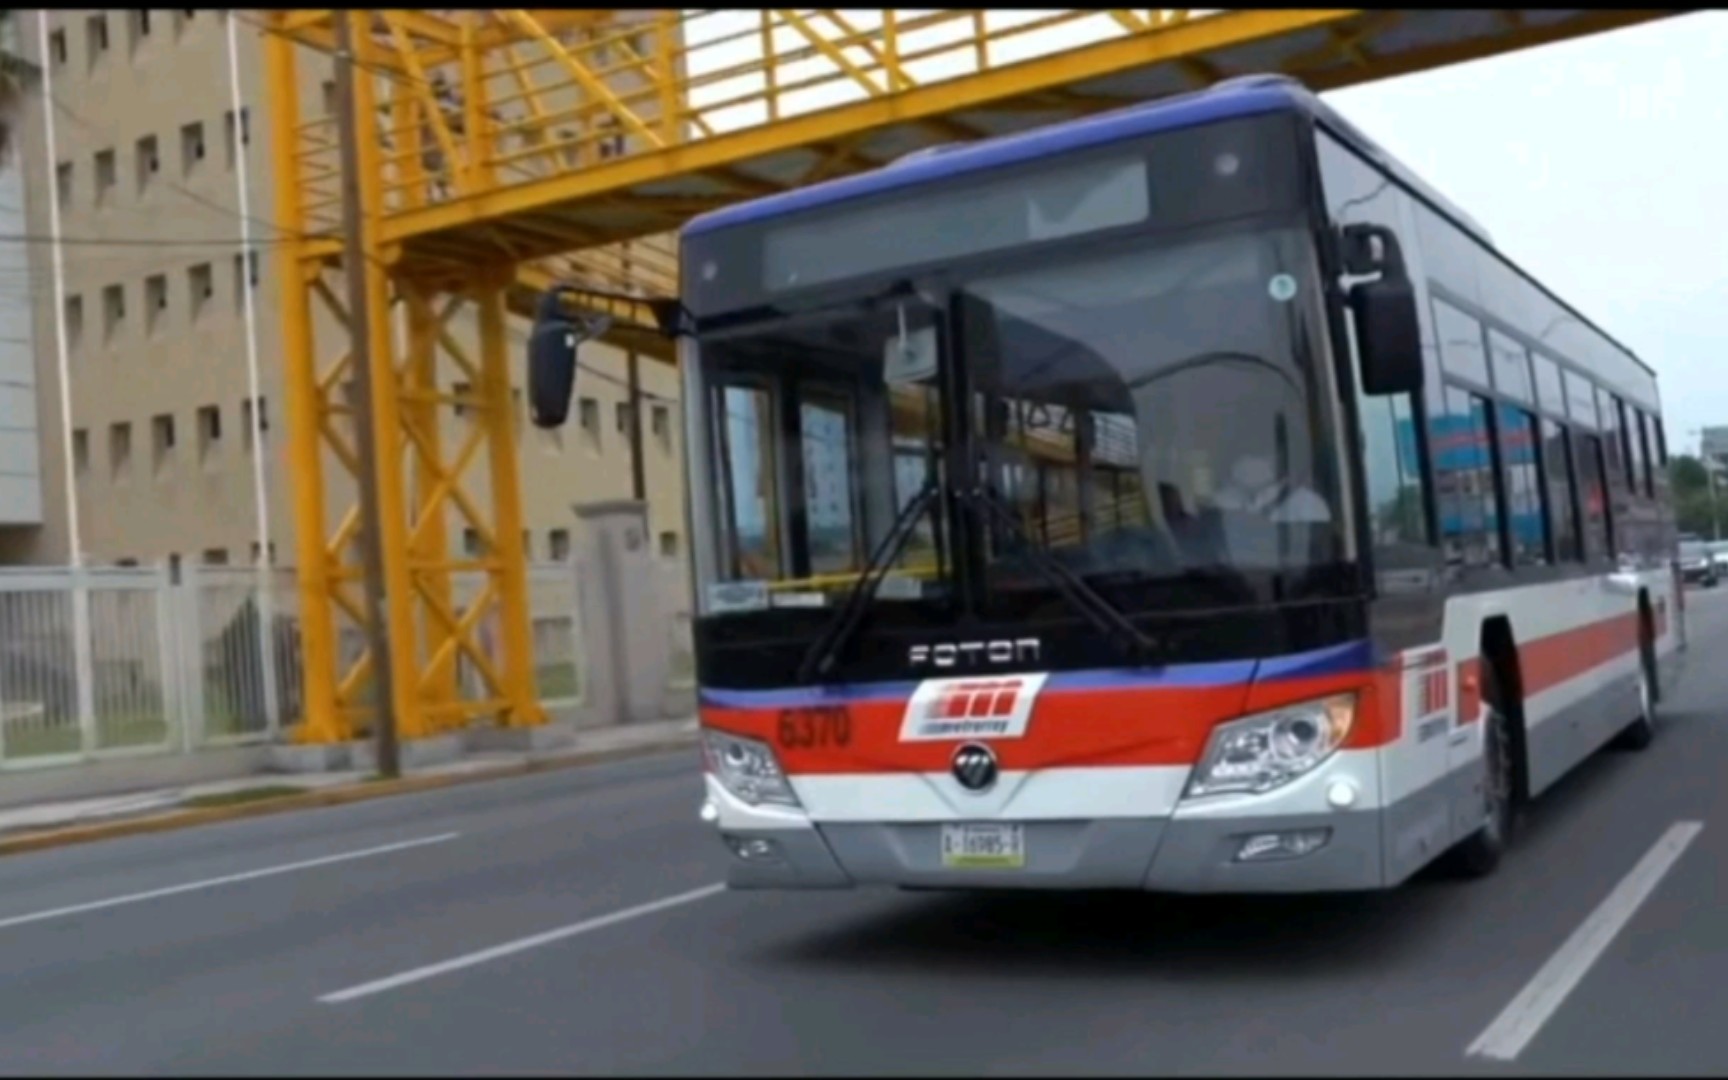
x=1258, y=753
x=747, y=768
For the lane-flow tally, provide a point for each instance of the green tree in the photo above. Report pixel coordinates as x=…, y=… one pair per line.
x=1693, y=513
x=1686, y=475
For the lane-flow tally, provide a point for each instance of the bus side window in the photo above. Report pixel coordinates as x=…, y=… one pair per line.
x=1464, y=479
x=1593, y=493
x=1639, y=434
x=1557, y=462
x=1521, y=464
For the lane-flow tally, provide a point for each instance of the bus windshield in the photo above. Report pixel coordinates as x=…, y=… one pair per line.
x=818, y=443
x=1156, y=414
x=1159, y=415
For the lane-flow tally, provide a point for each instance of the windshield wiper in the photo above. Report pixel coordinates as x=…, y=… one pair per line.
x=983, y=501
x=825, y=650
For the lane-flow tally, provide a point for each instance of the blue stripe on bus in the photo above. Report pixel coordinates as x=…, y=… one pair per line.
x=1167, y=114
x=1356, y=656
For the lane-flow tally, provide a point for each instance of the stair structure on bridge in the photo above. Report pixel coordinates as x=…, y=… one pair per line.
x=502, y=151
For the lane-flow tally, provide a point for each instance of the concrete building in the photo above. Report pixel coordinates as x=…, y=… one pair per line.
x=20, y=435
x=145, y=166
x=1713, y=446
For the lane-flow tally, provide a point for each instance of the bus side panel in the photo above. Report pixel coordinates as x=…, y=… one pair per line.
x=1577, y=636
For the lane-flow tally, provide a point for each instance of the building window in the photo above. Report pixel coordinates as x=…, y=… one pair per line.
x=611, y=140
x=113, y=310
x=558, y=545
x=202, y=283
x=588, y=415
x=191, y=146
x=246, y=420
x=107, y=175
x=215, y=556
x=461, y=392
x=57, y=46
x=1464, y=481
x=235, y=135
x=139, y=21
x=209, y=430
x=1520, y=457
x=149, y=161
x=471, y=542
x=622, y=417
x=155, y=301
x=74, y=321
x=329, y=96
x=81, y=451
x=162, y=439
x=258, y=551
x=119, y=450
x=244, y=277
x=63, y=181
x=96, y=37
x=669, y=544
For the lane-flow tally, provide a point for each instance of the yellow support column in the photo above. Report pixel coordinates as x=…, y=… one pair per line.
x=386, y=403
x=430, y=537
x=322, y=721
x=511, y=562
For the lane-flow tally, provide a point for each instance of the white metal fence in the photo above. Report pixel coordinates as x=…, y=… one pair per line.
x=105, y=662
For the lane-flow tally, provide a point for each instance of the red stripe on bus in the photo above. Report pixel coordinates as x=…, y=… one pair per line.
x=1549, y=661
x=1068, y=728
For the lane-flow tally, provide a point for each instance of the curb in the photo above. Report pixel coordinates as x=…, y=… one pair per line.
x=364, y=791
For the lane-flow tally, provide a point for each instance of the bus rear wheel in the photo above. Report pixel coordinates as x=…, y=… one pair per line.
x=1642, y=731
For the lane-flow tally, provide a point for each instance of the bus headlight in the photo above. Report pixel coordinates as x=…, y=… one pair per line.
x=747, y=768
x=1258, y=753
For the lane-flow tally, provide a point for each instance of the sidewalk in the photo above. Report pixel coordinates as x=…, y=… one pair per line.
x=597, y=744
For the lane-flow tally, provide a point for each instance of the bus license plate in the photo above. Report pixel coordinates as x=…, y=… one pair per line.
x=991, y=846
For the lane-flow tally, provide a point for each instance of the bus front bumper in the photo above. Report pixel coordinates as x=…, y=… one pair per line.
x=1324, y=852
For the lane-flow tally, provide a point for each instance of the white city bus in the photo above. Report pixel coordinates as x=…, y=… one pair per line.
x=1182, y=498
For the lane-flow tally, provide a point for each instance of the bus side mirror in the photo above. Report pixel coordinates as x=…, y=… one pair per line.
x=552, y=348
x=1388, y=333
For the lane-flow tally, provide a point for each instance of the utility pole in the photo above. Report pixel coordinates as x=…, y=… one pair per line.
x=1715, y=507
x=366, y=438
x=638, y=468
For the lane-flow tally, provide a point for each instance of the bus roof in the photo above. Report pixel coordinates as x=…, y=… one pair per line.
x=1251, y=95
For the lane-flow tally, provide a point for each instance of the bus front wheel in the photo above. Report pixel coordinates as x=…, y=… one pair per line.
x=1479, y=854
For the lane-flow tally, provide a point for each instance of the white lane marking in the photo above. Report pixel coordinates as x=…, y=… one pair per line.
x=1518, y=1023
x=509, y=948
x=229, y=879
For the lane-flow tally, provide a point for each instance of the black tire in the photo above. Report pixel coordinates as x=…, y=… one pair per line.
x=1642, y=732
x=1479, y=854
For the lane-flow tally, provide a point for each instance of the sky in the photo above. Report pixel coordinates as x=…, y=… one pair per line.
x=1598, y=165
x=1601, y=167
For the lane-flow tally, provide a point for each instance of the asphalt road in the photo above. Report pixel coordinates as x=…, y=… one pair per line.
x=566, y=923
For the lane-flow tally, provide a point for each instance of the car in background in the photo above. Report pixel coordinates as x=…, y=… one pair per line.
x=1697, y=563
x=1719, y=556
